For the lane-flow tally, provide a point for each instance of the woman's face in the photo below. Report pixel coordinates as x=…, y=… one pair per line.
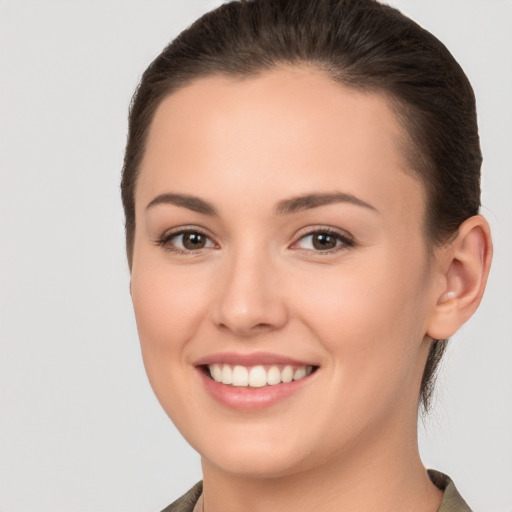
x=280, y=235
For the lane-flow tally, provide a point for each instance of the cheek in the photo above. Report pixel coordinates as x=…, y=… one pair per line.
x=168, y=309
x=383, y=295
x=370, y=318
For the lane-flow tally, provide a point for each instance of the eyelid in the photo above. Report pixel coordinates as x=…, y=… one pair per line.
x=347, y=240
x=343, y=236
x=164, y=239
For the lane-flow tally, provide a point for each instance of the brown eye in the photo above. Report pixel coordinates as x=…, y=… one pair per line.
x=192, y=240
x=186, y=241
x=324, y=241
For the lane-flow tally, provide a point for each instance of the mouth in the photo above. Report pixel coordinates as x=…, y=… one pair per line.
x=257, y=376
x=253, y=382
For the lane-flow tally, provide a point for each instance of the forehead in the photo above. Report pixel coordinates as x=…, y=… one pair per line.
x=294, y=127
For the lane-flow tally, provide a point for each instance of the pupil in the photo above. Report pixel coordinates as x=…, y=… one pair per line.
x=193, y=240
x=324, y=241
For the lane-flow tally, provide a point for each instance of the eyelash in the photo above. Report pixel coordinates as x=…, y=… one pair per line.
x=164, y=241
x=345, y=240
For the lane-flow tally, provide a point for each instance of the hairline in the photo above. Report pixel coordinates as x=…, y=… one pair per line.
x=413, y=156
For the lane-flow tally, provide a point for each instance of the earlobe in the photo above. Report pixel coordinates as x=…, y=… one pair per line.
x=465, y=266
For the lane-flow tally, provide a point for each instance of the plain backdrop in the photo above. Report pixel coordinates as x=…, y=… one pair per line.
x=80, y=429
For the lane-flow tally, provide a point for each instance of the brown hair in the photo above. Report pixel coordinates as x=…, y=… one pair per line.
x=358, y=43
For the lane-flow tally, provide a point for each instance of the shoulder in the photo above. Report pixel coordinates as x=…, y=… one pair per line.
x=187, y=502
x=452, y=500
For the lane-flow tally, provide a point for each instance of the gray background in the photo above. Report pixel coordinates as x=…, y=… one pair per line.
x=79, y=427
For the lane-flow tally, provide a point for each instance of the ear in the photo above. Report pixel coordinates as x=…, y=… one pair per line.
x=463, y=266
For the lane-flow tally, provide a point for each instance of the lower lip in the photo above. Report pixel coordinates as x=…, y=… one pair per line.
x=251, y=399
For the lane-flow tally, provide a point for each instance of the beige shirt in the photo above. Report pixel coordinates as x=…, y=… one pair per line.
x=452, y=500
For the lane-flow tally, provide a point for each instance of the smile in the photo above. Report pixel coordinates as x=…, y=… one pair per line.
x=253, y=382
x=257, y=376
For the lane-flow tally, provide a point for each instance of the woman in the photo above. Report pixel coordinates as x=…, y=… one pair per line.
x=301, y=191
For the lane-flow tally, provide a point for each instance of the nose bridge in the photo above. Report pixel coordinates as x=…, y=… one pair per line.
x=249, y=300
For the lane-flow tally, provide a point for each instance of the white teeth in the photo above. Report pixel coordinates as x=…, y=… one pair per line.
x=256, y=376
x=227, y=374
x=299, y=373
x=240, y=376
x=216, y=372
x=273, y=376
x=287, y=374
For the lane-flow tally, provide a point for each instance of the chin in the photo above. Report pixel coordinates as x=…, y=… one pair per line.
x=255, y=464
x=260, y=454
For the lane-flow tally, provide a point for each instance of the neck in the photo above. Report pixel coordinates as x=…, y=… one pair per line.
x=386, y=476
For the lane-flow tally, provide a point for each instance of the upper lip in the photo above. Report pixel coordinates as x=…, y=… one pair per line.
x=256, y=358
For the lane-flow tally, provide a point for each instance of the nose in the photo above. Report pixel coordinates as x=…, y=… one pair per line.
x=249, y=299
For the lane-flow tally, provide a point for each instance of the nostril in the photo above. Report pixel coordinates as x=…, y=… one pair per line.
x=248, y=310
x=246, y=328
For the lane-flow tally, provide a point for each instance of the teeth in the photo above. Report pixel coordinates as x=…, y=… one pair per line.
x=240, y=376
x=227, y=374
x=256, y=376
x=287, y=374
x=299, y=373
x=273, y=376
x=216, y=372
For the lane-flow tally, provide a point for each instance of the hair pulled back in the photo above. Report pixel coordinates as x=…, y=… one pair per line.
x=357, y=43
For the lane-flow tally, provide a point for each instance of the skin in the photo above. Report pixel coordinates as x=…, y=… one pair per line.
x=363, y=312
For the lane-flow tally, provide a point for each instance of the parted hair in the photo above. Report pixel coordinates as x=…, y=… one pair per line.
x=358, y=43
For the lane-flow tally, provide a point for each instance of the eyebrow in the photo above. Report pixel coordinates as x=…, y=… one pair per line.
x=309, y=201
x=285, y=207
x=185, y=201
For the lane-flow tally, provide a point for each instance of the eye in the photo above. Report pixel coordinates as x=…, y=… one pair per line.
x=323, y=241
x=186, y=241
